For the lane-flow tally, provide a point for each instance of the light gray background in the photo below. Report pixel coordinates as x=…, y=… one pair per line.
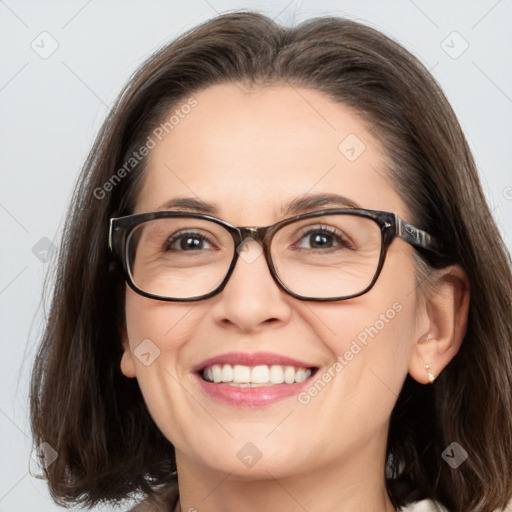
x=51, y=109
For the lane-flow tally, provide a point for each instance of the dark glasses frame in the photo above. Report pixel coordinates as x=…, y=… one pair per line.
x=391, y=227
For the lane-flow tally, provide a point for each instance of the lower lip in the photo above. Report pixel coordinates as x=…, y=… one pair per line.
x=251, y=397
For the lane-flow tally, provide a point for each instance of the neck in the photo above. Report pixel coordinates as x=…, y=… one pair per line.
x=356, y=484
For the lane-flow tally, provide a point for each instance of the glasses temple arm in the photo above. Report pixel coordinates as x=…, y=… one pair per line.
x=115, y=238
x=110, y=229
x=416, y=237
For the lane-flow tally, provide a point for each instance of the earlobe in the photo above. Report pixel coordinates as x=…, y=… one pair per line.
x=127, y=363
x=446, y=311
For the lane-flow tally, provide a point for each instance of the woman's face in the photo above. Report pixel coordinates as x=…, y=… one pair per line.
x=250, y=153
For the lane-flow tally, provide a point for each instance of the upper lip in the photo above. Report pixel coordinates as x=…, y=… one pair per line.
x=251, y=359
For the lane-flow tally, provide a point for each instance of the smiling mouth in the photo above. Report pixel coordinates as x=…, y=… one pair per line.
x=239, y=375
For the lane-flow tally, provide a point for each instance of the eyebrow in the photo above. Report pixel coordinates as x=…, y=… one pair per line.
x=294, y=207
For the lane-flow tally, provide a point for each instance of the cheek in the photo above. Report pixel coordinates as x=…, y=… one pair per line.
x=370, y=338
x=353, y=397
x=363, y=339
x=164, y=324
x=157, y=336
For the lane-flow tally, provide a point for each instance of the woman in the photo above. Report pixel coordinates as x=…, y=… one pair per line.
x=353, y=353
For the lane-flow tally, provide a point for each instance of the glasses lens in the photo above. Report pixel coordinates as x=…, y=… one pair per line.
x=179, y=257
x=330, y=256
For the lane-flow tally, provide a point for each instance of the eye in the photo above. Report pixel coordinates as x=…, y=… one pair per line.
x=187, y=241
x=323, y=238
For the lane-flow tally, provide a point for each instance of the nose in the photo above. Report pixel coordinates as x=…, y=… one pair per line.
x=251, y=300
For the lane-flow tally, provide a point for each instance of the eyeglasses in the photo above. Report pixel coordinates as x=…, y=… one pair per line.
x=326, y=255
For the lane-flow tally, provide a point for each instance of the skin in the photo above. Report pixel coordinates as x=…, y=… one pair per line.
x=250, y=151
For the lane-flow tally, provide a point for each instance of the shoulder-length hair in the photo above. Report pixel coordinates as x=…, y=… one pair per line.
x=108, y=446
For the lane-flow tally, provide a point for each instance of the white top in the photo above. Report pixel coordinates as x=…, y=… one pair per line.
x=423, y=506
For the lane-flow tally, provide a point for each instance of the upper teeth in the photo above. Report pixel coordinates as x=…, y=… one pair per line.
x=255, y=375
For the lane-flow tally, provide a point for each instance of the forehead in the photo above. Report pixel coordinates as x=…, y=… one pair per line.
x=251, y=151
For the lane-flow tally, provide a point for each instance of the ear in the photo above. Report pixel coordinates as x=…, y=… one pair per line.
x=442, y=324
x=127, y=361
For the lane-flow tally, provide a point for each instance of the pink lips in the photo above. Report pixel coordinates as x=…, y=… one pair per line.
x=250, y=396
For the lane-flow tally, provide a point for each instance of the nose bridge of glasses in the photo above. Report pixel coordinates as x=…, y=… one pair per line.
x=252, y=233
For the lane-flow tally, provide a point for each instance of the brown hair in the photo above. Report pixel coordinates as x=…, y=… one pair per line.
x=108, y=446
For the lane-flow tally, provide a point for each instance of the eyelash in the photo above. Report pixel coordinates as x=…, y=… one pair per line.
x=181, y=236
x=307, y=232
x=331, y=231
